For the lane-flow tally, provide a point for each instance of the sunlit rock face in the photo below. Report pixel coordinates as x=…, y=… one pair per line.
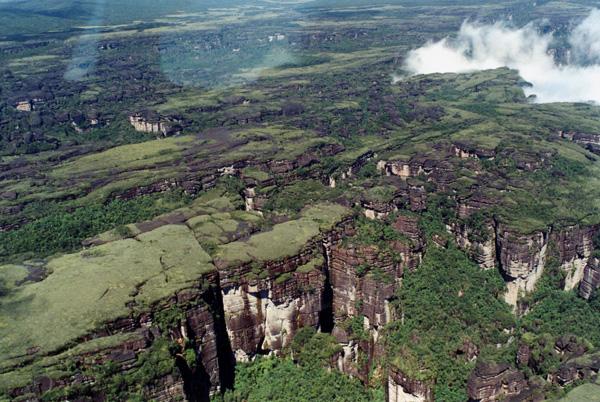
x=591, y=278
x=264, y=311
x=575, y=246
x=522, y=259
x=364, y=279
x=492, y=382
x=401, y=388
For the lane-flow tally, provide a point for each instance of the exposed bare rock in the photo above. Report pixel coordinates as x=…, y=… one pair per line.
x=378, y=210
x=464, y=150
x=522, y=259
x=575, y=246
x=265, y=304
x=585, y=367
x=401, y=388
x=358, y=164
x=198, y=306
x=148, y=122
x=590, y=141
x=591, y=278
x=476, y=202
x=357, y=292
x=363, y=280
x=412, y=251
x=481, y=247
x=411, y=195
x=493, y=382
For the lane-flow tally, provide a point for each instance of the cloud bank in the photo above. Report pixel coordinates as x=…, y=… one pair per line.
x=480, y=47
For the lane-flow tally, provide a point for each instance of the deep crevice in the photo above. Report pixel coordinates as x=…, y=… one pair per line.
x=326, y=314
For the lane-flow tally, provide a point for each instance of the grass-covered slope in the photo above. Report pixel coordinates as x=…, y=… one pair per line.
x=87, y=289
x=284, y=239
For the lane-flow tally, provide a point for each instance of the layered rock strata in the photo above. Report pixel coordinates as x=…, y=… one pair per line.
x=494, y=382
x=401, y=388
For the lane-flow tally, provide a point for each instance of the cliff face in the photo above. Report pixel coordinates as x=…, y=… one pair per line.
x=263, y=314
x=493, y=382
x=400, y=388
x=521, y=259
x=137, y=348
x=361, y=293
x=239, y=311
x=575, y=246
x=591, y=278
x=364, y=280
x=481, y=248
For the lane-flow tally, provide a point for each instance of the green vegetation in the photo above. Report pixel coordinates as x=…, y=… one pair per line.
x=61, y=231
x=555, y=313
x=281, y=97
x=303, y=379
x=448, y=301
x=311, y=265
x=87, y=289
x=294, y=197
x=559, y=313
x=373, y=231
x=152, y=365
x=273, y=379
x=584, y=393
x=289, y=236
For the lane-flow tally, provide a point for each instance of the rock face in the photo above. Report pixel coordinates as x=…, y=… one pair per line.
x=264, y=310
x=364, y=280
x=584, y=368
x=522, y=259
x=362, y=293
x=378, y=210
x=575, y=246
x=591, y=278
x=358, y=295
x=482, y=249
x=493, y=382
x=154, y=124
x=24, y=106
x=590, y=141
x=254, y=201
x=400, y=388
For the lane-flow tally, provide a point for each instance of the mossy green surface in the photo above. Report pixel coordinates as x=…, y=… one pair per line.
x=311, y=265
x=285, y=239
x=55, y=366
x=584, y=393
x=92, y=287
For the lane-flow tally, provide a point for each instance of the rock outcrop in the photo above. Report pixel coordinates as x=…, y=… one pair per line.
x=522, y=259
x=481, y=247
x=196, y=328
x=264, y=304
x=590, y=141
x=363, y=280
x=154, y=124
x=575, y=246
x=400, y=388
x=494, y=382
x=581, y=368
x=591, y=278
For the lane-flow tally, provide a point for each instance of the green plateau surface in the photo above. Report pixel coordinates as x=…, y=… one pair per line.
x=89, y=288
x=583, y=393
x=279, y=97
x=284, y=239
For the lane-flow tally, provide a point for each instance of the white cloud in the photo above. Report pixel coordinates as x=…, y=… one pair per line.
x=480, y=47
